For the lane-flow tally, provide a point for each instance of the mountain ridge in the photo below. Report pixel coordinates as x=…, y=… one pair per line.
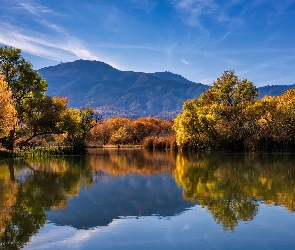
x=114, y=92
x=120, y=93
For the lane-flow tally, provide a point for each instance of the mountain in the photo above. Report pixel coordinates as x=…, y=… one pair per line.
x=113, y=92
x=274, y=90
x=120, y=93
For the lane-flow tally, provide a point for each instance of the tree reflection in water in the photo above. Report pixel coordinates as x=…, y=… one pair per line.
x=229, y=186
x=43, y=185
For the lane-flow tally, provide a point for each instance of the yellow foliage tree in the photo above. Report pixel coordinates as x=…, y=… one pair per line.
x=7, y=110
x=217, y=119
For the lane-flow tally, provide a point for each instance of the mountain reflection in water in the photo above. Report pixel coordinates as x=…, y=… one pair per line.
x=126, y=183
x=91, y=191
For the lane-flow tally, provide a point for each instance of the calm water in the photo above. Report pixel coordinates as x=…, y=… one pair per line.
x=133, y=199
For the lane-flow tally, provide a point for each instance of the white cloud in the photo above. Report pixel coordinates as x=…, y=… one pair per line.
x=56, y=44
x=196, y=8
x=128, y=46
x=185, y=62
x=52, y=26
x=194, y=12
x=61, y=48
x=34, y=8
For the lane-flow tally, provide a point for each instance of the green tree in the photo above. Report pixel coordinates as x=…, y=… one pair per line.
x=84, y=126
x=24, y=82
x=39, y=114
x=43, y=116
x=217, y=118
x=230, y=91
x=87, y=122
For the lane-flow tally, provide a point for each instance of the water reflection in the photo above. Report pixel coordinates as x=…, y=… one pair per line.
x=29, y=188
x=86, y=192
x=127, y=183
x=105, y=185
x=229, y=186
x=128, y=161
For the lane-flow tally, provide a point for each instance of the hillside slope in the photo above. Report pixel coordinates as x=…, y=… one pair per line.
x=122, y=93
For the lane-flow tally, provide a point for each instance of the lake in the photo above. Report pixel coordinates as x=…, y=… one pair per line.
x=135, y=199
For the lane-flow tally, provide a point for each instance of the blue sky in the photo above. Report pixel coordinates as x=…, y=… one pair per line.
x=197, y=39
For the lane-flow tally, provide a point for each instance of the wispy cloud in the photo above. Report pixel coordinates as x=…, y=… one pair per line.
x=270, y=63
x=35, y=9
x=128, y=46
x=213, y=18
x=185, y=62
x=65, y=48
x=52, y=26
x=56, y=44
x=198, y=7
x=195, y=9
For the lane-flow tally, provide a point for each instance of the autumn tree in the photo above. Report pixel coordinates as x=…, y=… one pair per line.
x=275, y=117
x=231, y=96
x=7, y=110
x=83, y=122
x=37, y=114
x=24, y=82
x=216, y=119
x=127, y=130
x=121, y=130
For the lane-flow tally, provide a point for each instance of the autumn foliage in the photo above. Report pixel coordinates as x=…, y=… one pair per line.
x=7, y=110
x=229, y=116
x=28, y=116
x=149, y=132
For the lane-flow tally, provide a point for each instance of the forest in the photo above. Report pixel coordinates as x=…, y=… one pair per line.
x=229, y=116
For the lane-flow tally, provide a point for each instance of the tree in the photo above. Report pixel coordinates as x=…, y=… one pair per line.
x=127, y=130
x=38, y=114
x=230, y=91
x=70, y=124
x=275, y=118
x=7, y=110
x=217, y=118
x=87, y=122
x=42, y=116
x=24, y=82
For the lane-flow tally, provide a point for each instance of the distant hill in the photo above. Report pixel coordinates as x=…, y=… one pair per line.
x=120, y=93
x=126, y=93
x=274, y=90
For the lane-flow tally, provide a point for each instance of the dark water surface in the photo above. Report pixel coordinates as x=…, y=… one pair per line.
x=134, y=199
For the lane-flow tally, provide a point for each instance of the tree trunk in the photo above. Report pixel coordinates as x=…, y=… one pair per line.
x=11, y=140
